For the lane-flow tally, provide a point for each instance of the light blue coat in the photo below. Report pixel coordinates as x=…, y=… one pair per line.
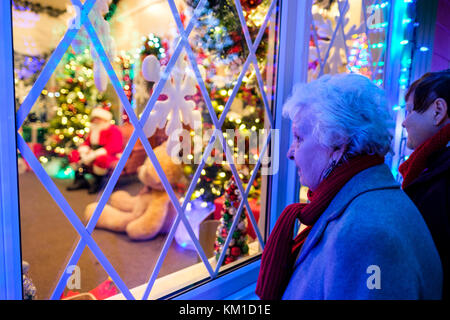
x=370, y=243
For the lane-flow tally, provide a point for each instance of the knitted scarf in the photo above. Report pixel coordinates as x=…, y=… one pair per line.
x=417, y=161
x=281, y=251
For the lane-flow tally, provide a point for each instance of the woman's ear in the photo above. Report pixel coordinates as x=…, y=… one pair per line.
x=338, y=153
x=439, y=111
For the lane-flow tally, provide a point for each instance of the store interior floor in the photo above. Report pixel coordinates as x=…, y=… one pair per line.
x=48, y=241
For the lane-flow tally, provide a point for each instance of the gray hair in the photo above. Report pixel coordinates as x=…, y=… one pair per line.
x=349, y=110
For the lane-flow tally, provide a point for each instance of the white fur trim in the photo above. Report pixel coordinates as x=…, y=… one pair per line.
x=100, y=152
x=101, y=113
x=99, y=171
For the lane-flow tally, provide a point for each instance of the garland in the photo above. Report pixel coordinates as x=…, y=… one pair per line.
x=27, y=66
x=24, y=5
x=112, y=9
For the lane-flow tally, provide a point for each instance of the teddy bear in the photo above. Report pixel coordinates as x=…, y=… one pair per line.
x=149, y=213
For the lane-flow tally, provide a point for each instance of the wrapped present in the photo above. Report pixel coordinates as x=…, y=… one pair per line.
x=104, y=290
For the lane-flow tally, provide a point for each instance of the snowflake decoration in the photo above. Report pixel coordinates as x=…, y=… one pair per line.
x=176, y=109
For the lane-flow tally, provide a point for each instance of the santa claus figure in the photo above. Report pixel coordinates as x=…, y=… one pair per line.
x=99, y=151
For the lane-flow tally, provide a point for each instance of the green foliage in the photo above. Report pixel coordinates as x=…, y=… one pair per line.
x=76, y=95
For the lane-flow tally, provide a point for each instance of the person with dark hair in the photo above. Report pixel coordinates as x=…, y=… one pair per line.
x=426, y=173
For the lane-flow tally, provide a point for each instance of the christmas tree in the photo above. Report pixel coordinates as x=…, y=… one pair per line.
x=238, y=244
x=358, y=60
x=76, y=95
x=221, y=50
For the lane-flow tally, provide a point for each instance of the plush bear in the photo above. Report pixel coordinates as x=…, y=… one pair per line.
x=149, y=213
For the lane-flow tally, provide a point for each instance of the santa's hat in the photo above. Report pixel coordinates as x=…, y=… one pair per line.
x=102, y=113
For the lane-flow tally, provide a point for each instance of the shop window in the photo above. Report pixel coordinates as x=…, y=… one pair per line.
x=348, y=37
x=144, y=154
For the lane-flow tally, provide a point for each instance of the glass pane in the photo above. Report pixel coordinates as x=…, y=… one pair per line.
x=47, y=236
x=109, y=222
x=348, y=36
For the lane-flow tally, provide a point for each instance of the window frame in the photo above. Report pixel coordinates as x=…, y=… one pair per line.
x=10, y=259
x=282, y=190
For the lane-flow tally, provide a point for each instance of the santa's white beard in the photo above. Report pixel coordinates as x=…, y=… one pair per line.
x=95, y=130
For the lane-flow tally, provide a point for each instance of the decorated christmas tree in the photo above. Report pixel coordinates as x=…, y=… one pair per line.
x=238, y=244
x=76, y=95
x=220, y=51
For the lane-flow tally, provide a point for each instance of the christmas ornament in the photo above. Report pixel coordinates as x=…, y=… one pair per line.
x=151, y=68
x=250, y=4
x=219, y=31
x=237, y=246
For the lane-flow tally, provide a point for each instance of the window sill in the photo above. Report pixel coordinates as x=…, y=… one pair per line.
x=178, y=280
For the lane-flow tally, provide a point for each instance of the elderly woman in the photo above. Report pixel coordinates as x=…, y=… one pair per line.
x=364, y=238
x=426, y=173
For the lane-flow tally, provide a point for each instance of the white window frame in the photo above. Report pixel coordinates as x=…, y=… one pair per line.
x=283, y=186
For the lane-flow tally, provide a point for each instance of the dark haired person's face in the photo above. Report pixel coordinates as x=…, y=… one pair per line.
x=419, y=126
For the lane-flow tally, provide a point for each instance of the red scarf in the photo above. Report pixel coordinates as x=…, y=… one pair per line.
x=417, y=161
x=281, y=251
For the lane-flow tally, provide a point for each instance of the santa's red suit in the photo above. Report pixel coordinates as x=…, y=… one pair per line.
x=101, y=148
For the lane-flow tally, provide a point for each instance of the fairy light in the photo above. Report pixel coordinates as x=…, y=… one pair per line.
x=43, y=159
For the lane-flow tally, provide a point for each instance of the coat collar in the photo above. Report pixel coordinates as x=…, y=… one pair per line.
x=373, y=178
x=438, y=163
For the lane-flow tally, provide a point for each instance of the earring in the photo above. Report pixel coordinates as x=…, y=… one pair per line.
x=330, y=169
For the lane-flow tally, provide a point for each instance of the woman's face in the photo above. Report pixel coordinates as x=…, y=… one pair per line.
x=418, y=125
x=311, y=158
